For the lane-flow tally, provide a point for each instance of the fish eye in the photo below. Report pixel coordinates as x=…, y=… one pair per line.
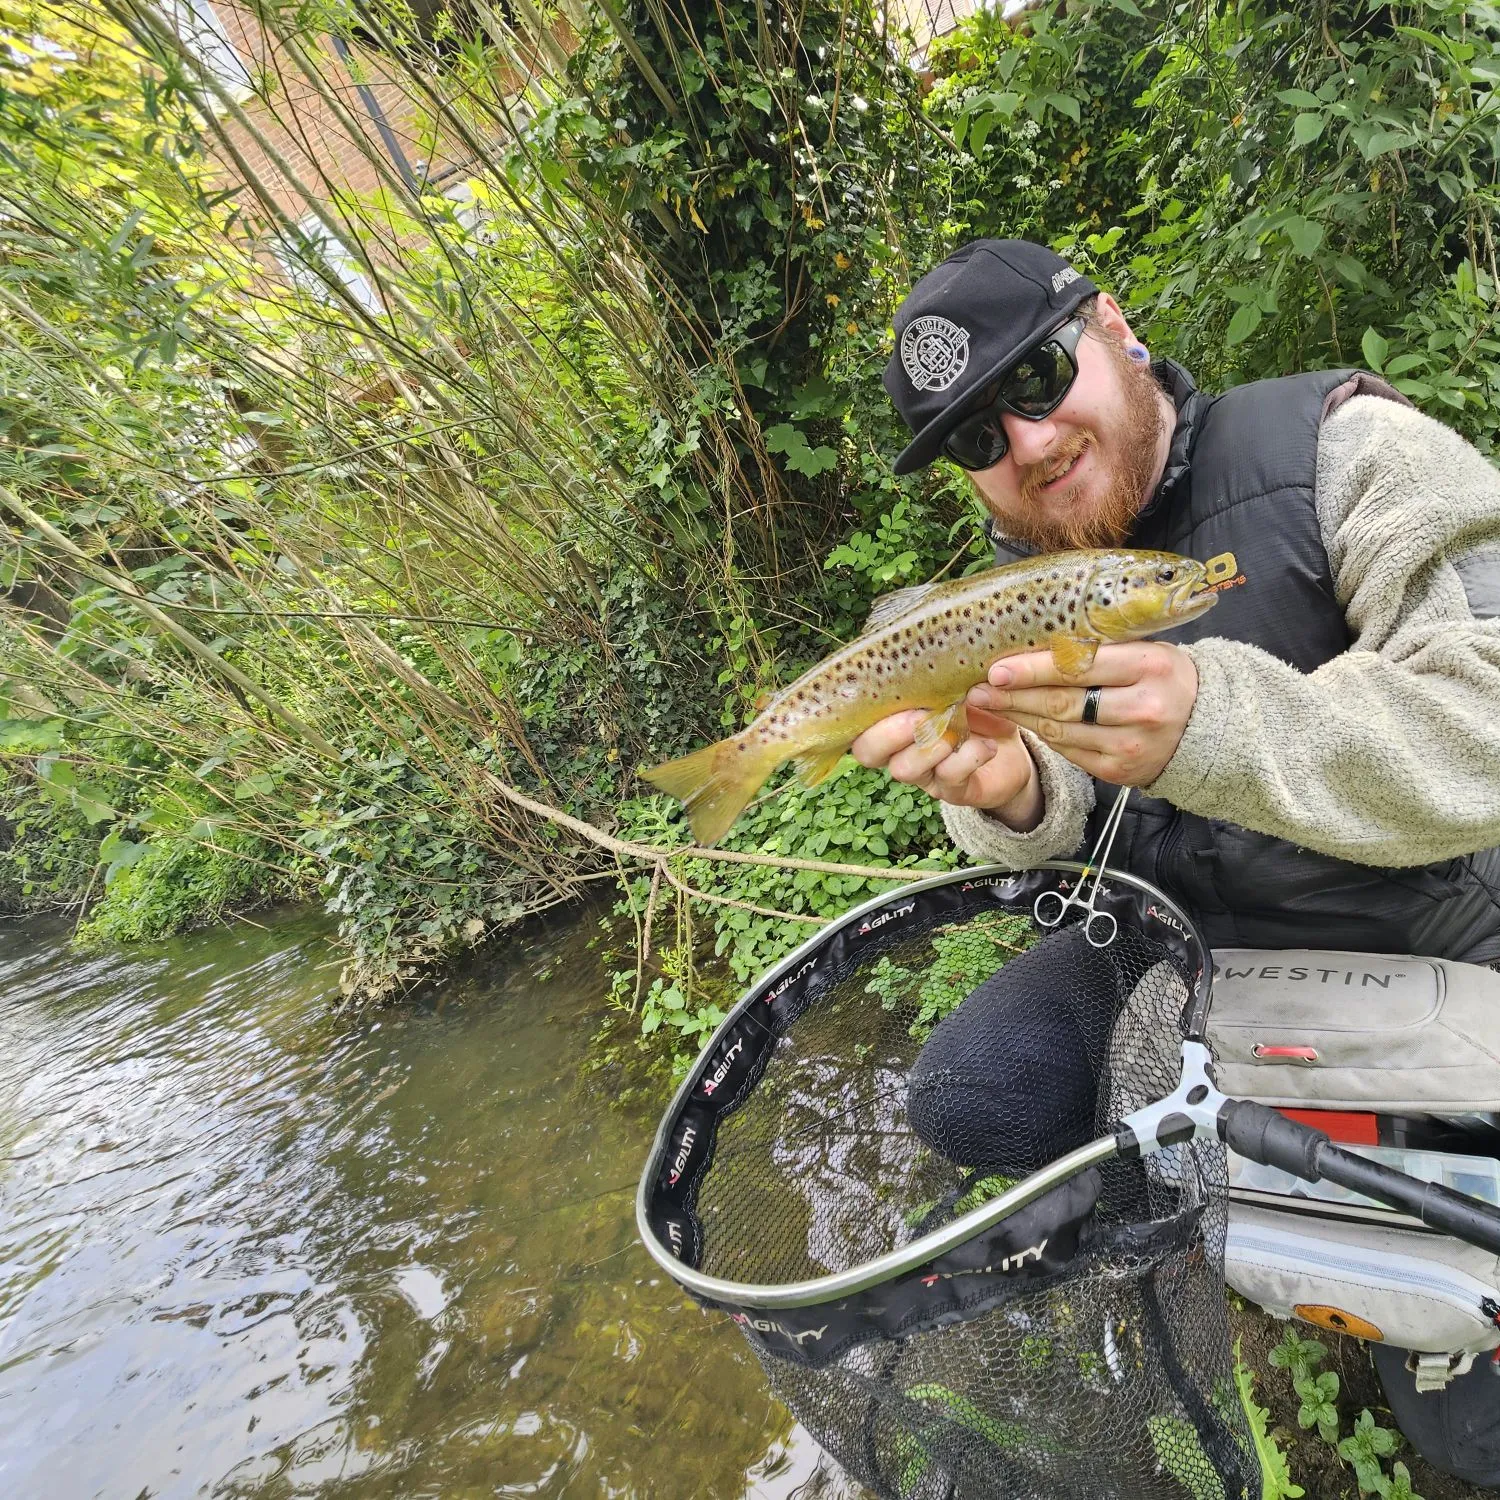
x=1166, y=575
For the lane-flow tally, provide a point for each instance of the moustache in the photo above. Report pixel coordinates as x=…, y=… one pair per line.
x=1035, y=477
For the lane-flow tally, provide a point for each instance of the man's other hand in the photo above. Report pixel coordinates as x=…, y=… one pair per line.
x=992, y=769
x=1147, y=693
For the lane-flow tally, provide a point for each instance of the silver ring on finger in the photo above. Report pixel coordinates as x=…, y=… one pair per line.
x=1090, y=713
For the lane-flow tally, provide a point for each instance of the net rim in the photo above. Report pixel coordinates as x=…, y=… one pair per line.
x=947, y=1237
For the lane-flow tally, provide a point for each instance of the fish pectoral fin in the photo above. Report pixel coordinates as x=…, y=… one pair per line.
x=817, y=765
x=892, y=606
x=1073, y=655
x=951, y=724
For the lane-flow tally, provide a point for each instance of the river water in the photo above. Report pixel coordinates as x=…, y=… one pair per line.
x=251, y=1248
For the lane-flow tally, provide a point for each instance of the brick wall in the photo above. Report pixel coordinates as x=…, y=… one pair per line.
x=307, y=133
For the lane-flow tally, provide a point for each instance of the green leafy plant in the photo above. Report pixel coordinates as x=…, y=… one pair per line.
x=1180, y=1452
x=1317, y=1392
x=1364, y=1448
x=982, y=1191
x=168, y=885
x=1319, y=1397
x=1298, y=1356
x=886, y=556
x=964, y=955
x=1276, y=1478
x=1398, y=1485
x=671, y=1002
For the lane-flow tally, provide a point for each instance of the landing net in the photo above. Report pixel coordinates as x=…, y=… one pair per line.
x=893, y=1167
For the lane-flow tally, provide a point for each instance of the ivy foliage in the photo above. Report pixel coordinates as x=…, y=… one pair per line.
x=750, y=916
x=1266, y=190
x=749, y=143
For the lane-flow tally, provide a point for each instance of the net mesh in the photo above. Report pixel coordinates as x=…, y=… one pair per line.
x=918, y=1083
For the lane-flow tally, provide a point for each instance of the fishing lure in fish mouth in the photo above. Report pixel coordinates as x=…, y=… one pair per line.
x=925, y=647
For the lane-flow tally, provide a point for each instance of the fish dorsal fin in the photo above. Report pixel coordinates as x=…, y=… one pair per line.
x=890, y=607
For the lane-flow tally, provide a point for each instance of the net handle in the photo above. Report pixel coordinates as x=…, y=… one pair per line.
x=1266, y=1136
x=1197, y=1110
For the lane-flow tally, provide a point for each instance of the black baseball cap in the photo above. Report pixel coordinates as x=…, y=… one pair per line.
x=963, y=323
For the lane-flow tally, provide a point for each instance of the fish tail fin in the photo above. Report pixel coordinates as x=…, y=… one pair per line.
x=715, y=784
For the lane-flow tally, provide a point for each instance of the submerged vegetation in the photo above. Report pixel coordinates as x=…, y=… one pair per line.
x=373, y=512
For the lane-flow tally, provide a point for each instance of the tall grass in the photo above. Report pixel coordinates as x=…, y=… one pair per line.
x=391, y=595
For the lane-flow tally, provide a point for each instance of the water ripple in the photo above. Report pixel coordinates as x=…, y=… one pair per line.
x=248, y=1248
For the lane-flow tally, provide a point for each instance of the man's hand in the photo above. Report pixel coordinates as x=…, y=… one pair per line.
x=992, y=768
x=1148, y=692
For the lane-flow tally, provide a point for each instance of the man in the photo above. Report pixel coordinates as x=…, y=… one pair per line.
x=1319, y=755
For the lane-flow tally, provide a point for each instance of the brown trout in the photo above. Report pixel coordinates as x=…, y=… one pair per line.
x=925, y=647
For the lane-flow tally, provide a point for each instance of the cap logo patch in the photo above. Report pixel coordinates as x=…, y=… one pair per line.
x=934, y=352
x=1062, y=278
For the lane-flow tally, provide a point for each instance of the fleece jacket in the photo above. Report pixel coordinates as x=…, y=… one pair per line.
x=1386, y=755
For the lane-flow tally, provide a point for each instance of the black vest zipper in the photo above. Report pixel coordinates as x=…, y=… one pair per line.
x=1166, y=853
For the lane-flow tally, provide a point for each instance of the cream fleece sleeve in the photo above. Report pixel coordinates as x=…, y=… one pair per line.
x=1067, y=800
x=1390, y=753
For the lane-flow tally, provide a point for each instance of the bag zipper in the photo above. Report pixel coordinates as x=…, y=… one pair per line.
x=1460, y=1291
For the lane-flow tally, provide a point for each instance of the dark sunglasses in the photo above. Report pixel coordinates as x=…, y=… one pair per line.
x=1032, y=387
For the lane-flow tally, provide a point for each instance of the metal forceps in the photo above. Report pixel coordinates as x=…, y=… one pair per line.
x=1051, y=907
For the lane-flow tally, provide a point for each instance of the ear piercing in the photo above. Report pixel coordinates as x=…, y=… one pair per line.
x=1138, y=352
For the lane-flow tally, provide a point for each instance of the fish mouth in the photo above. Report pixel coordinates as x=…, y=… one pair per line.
x=1191, y=598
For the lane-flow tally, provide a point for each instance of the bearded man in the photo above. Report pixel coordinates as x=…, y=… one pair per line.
x=1319, y=754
